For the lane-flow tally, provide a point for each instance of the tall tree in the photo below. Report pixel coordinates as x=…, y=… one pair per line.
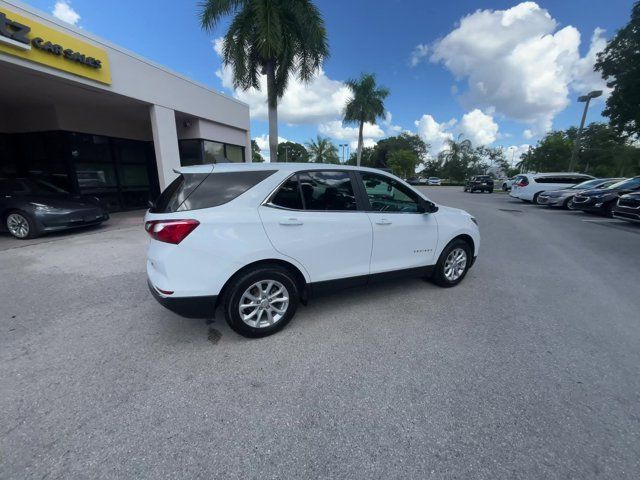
x=403, y=163
x=275, y=38
x=604, y=152
x=365, y=105
x=322, y=150
x=292, y=152
x=456, y=158
x=619, y=64
x=256, y=156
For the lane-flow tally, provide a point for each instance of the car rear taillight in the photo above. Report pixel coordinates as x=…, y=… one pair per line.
x=522, y=182
x=170, y=231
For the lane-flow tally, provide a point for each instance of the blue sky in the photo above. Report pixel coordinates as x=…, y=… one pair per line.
x=499, y=72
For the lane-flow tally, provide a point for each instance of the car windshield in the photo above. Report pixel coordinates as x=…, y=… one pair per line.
x=627, y=183
x=587, y=184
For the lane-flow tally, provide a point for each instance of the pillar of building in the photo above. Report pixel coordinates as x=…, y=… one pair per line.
x=165, y=143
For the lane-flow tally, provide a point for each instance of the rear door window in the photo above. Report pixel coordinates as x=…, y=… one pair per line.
x=289, y=195
x=327, y=190
x=318, y=190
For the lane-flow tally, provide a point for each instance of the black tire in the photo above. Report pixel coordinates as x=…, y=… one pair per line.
x=565, y=204
x=535, y=198
x=490, y=191
x=242, y=282
x=504, y=187
x=464, y=189
x=608, y=209
x=32, y=225
x=438, y=275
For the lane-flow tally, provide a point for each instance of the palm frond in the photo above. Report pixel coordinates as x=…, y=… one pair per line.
x=212, y=11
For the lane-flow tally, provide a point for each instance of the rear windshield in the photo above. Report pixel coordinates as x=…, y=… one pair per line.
x=194, y=191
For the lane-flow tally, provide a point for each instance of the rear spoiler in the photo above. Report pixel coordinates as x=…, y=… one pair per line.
x=194, y=169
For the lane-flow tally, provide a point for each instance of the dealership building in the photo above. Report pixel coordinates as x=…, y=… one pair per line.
x=94, y=118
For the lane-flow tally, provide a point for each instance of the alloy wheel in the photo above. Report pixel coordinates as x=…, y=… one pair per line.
x=17, y=225
x=264, y=303
x=455, y=264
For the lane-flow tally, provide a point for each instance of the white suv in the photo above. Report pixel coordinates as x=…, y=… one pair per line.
x=257, y=239
x=528, y=186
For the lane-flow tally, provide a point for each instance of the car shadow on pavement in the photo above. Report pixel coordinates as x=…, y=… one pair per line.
x=179, y=330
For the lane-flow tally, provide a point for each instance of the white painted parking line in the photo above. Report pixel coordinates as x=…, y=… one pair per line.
x=605, y=220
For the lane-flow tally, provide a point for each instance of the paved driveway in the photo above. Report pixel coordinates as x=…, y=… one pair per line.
x=528, y=369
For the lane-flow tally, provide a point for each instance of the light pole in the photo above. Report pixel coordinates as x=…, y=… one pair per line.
x=343, y=146
x=586, y=99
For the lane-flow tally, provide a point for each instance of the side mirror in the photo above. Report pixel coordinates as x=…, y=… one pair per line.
x=428, y=207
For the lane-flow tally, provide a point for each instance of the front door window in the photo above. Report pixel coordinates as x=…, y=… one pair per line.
x=389, y=195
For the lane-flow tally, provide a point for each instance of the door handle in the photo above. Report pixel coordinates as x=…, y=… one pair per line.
x=290, y=221
x=383, y=221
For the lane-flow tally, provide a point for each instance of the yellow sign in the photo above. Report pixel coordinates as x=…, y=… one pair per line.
x=25, y=38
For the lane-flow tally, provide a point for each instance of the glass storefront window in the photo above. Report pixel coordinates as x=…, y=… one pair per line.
x=213, y=152
x=235, y=154
x=95, y=175
x=120, y=172
x=198, y=152
x=190, y=152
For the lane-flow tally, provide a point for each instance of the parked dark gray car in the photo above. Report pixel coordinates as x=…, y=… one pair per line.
x=561, y=198
x=603, y=201
x=30, y=207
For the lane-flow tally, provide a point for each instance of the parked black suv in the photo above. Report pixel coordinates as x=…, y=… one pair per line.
x=484, y=183
x=603, y=200
x=628, y=207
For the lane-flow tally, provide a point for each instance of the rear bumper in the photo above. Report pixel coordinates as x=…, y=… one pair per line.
x=189, y=307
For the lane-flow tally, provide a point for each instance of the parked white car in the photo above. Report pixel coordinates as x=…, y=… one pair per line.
x=434, y=181
x=507, y=183
x=257, y=239
x=528, y=186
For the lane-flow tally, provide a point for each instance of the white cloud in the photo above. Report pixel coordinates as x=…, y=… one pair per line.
x=478, y=127
x=518, y=62
x=63, y=11
x=389, y=127
x=335, y=130
x=434, y=133
x=323, y=99
x=263, y=145
x=418, y=54
x=514, y=152
x=527, y=134
x=585, y=78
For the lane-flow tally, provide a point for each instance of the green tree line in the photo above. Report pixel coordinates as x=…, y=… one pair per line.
x=284, y=38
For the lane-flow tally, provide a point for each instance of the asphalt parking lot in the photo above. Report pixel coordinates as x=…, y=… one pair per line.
x=528, y=369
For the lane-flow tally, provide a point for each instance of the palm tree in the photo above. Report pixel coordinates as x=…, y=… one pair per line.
x=321, y=150
x=456, y=157
x=366, y=104
x=276, y=38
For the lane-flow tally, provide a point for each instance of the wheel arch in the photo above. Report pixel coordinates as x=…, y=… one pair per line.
x=466, y=238
x=299, y=277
